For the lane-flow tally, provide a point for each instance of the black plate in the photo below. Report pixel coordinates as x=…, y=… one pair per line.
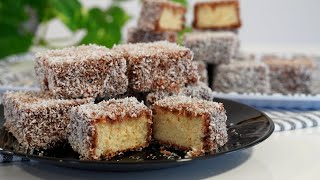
x=246, y=127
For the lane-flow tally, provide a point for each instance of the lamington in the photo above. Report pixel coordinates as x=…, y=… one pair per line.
x=80, y=72
x=158, y=66
x=242, y=77
x=212, y=47
x=162, y=15
x=190, y=124
x=136, y=35
x=290, y=75
x=202, y=71
x=216, y=15
x=36, y=119
x=245, y=56
x=104, y=130
x=199, y=90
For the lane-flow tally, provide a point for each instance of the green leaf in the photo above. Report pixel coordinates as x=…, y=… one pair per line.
x=69, y=12
x=182, y=2
x=42, y=8
x=102, y=36
x=14, y=38
x=12, y=12
x=104, y=27
x=116, y=16
x=14, y=44
x=182, y=33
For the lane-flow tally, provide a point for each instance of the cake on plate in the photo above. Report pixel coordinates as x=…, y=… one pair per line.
x=158, y=65
x=36, y=119
x=104, y=130
x=190, y=124
x=80, y=72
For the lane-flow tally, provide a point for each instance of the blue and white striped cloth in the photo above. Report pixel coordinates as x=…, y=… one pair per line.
x=10, y=158
x=292, y=119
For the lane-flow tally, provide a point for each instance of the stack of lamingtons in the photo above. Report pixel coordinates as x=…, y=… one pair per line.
x=89, y=94
x=215, y=44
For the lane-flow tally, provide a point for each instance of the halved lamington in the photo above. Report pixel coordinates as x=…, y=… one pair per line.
x=37, y=120
x=212, y=47
x=162, y=15
x=242, y=77
x=83, y=71
x=136, y=35
x=158, y=66
x=290, y=76
x=102, y=131
x=217, y=14
x=190, y=124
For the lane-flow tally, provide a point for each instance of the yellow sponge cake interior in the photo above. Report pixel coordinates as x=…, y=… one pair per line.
x=187, y=132
x=103, y=130
x=217, y=15
x=172, y=19
x=190, y=124
x=112, y=138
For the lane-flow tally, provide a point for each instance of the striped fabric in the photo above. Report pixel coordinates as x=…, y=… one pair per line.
x=285, y=120
x=10, y=158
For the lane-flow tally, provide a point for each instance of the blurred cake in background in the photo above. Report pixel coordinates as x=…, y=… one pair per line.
x=159, y=20
x=215, y=40
x=242, y=77
x=202, y=71
x=290, y=75
x=136, y=35
x=212, y=47
x=162, y=15
x=217, y=14
x=245, y=56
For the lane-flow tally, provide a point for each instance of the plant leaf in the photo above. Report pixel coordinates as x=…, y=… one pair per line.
x=182, y=2
x=14, y=38
x=104, y=27
x=116, y=16
x=182, y=33
x=42, y=8
x=14, y=44
x=69, y=12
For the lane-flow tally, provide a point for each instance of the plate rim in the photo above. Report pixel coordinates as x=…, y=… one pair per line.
x=168, y=161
